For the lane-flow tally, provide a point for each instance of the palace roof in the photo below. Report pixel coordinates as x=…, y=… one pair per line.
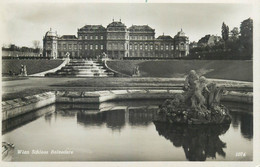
x=165, y=37
x=116, y=24
x=92, y=28
x=140, y=28
x=68, y=37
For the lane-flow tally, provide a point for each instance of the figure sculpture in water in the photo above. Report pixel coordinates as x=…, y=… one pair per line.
x=198, y=104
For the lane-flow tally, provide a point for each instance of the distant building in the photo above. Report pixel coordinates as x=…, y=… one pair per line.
x=209, y=40
x=117, y=41
x=91, y=41
x=181, y=43
x=164, y=46
x=50, y=44
x=68, y=44
x=141, y=41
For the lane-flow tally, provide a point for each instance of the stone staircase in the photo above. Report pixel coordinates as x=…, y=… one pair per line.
x=82, y=68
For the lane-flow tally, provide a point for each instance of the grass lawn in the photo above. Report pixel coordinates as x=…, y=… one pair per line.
x=32, y=66
x=17, y=89
x=219, y=69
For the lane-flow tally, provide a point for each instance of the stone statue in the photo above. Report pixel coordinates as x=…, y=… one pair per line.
x=198, y=104
x=136, y=71
x=23, y=70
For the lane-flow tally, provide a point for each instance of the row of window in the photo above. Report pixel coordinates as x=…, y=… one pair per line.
x=140, y=47
x=141, y=37
x=116, y=37
x=117, y=46
x=148, y=55
x=91, y=47
x=91, y=37
x=96, y=37
x=68, y=46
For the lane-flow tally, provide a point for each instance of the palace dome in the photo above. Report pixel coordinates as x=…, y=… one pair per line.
x=180, y=34
x=51, y=33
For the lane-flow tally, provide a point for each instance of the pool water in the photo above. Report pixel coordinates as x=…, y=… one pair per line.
x=125, y=131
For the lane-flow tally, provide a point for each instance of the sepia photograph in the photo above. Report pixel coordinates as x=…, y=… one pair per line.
x=129, y=82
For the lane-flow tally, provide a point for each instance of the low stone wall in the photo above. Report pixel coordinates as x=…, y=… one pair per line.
x=17, y=107
x=232, y=96
x=102, y=96
x=114, y=95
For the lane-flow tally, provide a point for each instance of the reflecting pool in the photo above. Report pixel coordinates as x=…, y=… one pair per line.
x=124, y=131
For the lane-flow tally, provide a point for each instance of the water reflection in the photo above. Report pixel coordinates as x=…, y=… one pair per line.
x=245, y=122
x=117, y=119
x=16, y=122
x=134, y=122
x=199, y=142
x=242, y=116
x=114, y=119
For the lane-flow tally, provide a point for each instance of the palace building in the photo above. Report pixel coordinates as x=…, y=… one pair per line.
x=117, y=41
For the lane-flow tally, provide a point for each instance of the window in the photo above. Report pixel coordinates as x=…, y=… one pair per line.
x=59, y=46
x=130, y=46
x=172, y=47
x=101, y=47
x=101, y=37
x=80, y=46
x=96, y=37
x=86, y=37
x=177, y=47
x=135, y=47
x=75, y=46
x=109, y=46
x=167, y=47
x=91, y=47
x=141, y=47
x=86, y=47
x=161, y=47
x=156, y=47
x=91, y=37
x=70, y=46
x=96, y=47
x=64, y=46
x=151, y=47
x=80, y=37
x=146, y=47
x=122, y=46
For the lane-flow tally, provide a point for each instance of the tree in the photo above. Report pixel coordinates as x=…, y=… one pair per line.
x=234, y=34
x=36, y=45
x=246, y=38
x=225, y=32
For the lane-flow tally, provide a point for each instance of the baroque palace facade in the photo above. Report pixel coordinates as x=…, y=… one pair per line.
x=117, y=41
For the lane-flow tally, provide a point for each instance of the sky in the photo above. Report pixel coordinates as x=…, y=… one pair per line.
x=25, y=22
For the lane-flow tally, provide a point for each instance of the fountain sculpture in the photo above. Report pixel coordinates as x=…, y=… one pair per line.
x=198, y=104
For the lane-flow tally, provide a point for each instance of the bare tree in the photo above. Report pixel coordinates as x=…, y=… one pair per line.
x=36, y=45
